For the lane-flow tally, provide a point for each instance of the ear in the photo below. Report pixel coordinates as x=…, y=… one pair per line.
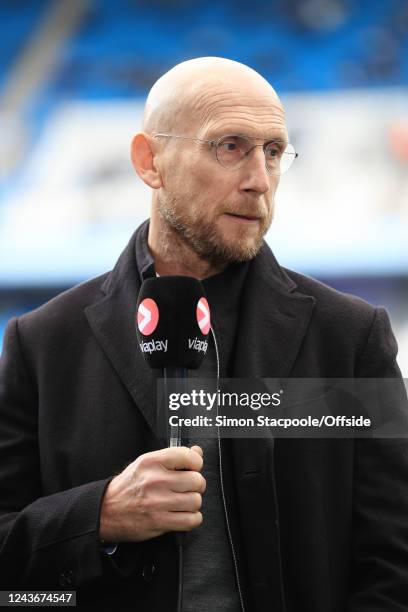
x=143, y=160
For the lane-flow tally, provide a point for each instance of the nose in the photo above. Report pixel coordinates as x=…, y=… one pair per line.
x=254, y=175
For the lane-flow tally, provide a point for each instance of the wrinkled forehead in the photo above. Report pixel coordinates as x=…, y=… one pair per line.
x=221, y=108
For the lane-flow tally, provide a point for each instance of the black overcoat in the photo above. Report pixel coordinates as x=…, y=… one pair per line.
x=318, y=525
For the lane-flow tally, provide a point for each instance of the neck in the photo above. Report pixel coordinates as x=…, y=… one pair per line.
x=173, y=256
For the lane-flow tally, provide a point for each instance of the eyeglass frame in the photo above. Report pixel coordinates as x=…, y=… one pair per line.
x=215, y=141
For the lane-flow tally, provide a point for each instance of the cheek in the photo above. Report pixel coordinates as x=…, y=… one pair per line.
x=217, y=185
x=274, y=184
x=205, y=189
x=176, y=170
x=199, y=183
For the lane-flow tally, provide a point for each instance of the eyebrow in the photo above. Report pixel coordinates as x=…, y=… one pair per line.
x=276, y=138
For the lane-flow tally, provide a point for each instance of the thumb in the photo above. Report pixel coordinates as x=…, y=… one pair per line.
x=198, y=450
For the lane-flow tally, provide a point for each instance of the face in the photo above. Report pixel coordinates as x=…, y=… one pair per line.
x=221, y=214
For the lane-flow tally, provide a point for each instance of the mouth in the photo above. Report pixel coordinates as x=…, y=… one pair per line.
x=243, y=218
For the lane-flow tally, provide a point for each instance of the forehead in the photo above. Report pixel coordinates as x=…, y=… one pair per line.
x=258, y=115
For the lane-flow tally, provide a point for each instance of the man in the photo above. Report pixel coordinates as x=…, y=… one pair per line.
x=89, y=500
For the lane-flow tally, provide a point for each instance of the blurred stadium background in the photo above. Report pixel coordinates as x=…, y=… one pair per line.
x=73, y=78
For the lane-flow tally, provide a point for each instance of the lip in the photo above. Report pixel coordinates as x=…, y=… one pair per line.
x=243, y=218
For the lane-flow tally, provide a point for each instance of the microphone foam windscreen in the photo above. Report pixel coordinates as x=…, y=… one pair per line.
x=173, y=321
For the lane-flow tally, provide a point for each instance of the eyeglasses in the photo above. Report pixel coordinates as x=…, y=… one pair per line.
x=232, y=151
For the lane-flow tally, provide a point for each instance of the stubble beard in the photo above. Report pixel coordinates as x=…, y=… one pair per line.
x=204, y=238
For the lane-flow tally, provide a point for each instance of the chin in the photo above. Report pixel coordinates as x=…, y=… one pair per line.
x=231, y=252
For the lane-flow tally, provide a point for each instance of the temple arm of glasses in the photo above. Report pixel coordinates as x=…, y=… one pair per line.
x=183, y=137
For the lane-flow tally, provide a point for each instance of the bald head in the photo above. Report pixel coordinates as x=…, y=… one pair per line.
x=185, y=95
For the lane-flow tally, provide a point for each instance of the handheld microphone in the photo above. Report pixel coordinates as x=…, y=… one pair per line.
x=172, y=326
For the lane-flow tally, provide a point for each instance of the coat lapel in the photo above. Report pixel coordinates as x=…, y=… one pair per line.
x=273, y=321
x=272, y=324
x=112, y=321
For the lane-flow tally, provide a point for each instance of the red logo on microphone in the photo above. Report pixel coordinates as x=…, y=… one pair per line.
x=203, y=316
x=147, y=316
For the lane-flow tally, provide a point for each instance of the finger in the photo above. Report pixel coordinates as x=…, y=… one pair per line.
x=184, y=502
x=180, y=458
x=197, y=449
x=186, y=481
x=181, y=521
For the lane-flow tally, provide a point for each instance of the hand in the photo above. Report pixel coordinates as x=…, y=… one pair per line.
x=158, y=492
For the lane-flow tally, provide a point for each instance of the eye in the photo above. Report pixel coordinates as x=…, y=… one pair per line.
x=230, y=144
x=273, y=150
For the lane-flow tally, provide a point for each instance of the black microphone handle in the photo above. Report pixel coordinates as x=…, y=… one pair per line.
x=175, y=379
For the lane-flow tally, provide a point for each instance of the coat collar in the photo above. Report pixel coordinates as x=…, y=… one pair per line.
x=113, y=322
x=272, y=323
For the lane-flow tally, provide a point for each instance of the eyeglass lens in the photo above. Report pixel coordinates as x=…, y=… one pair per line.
x=232, y=152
